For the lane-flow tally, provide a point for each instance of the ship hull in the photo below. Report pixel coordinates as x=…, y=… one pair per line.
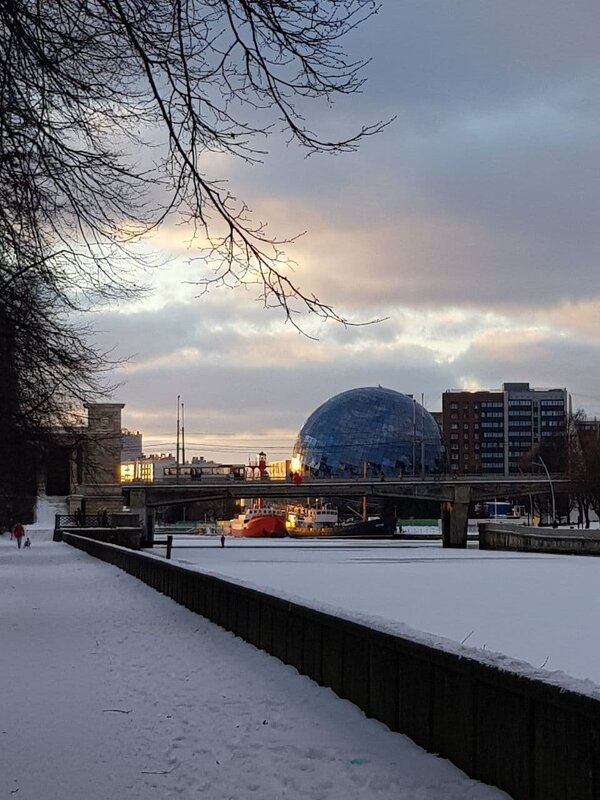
x=370, y=529
x=264, y=527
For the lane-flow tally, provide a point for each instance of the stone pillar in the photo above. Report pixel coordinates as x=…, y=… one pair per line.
x=103, y=443
x=148, y=533
x=137, y=506
x=455, y=518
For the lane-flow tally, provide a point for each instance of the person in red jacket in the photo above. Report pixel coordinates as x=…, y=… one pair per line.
x=19, y=533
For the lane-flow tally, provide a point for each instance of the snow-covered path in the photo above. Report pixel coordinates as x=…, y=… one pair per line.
x=109, y=689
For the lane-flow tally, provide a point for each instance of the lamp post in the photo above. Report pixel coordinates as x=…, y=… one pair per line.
x=542, y=463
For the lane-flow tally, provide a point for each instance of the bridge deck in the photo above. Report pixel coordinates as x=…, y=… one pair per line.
x=440, y=488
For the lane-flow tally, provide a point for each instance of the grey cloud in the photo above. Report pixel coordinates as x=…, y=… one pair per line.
x=483, y=195
x=545, y=362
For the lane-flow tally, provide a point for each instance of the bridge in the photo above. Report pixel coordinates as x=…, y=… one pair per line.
x=453, y=493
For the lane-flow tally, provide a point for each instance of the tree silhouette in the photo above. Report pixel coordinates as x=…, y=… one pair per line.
x=106, y=110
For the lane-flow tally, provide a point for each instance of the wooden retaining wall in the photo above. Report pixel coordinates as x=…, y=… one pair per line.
x=528, y=737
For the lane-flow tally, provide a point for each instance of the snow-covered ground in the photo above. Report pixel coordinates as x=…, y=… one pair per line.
x=110, y=690
x=539, y=609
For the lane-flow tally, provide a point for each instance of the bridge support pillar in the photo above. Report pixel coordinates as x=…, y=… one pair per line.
x=137, y=505
x=455, y=518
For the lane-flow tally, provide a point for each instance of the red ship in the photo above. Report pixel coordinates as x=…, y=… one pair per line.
x=259, y=522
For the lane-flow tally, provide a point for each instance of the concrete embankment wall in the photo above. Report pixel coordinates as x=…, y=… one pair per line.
x=507, y=536
x=530, y=738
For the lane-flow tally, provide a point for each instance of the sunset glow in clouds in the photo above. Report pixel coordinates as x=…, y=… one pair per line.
x=470, y=223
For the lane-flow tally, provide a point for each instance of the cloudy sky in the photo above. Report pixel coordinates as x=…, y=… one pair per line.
x=470, y=223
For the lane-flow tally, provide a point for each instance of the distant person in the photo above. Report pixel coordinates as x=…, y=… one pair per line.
x=297, y=479
x=27, y=542
x=222, y=540
x=19, y=533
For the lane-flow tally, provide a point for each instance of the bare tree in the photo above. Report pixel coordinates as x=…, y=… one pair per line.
x=106, y=109
x=48, y=368
x=585, y=466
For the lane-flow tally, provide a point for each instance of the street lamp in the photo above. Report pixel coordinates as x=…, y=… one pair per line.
x=542, y=463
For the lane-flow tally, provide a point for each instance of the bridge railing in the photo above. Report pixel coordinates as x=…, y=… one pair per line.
x=63, y=521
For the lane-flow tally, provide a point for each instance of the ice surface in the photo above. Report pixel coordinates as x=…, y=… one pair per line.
x=538, y=609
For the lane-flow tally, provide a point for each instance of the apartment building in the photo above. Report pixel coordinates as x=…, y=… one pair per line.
x=488, y=432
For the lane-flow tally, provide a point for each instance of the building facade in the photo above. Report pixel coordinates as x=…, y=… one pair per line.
x=489, y=432
x=131, y=445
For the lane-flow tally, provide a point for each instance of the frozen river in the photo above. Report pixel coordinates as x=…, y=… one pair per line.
x=540, y=609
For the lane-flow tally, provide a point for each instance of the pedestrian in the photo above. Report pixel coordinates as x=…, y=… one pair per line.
x=27, y=542
x=222, y=540
x=19, y=532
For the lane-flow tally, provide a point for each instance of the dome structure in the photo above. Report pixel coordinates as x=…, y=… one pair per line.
x=378, y=430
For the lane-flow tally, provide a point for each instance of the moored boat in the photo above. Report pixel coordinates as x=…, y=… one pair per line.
x=312, y=517
x=259, y=522
x=360, y=529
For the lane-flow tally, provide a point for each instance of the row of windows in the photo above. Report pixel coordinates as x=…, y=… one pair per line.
x=490, y=414
x=492, y=424
x=552, y=403
x=519, y=403
x=492, y=404
x=545, y=413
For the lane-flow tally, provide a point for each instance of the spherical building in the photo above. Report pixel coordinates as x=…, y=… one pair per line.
x=380, y=430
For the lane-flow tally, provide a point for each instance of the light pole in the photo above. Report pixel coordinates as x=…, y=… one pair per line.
x=542, y=463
